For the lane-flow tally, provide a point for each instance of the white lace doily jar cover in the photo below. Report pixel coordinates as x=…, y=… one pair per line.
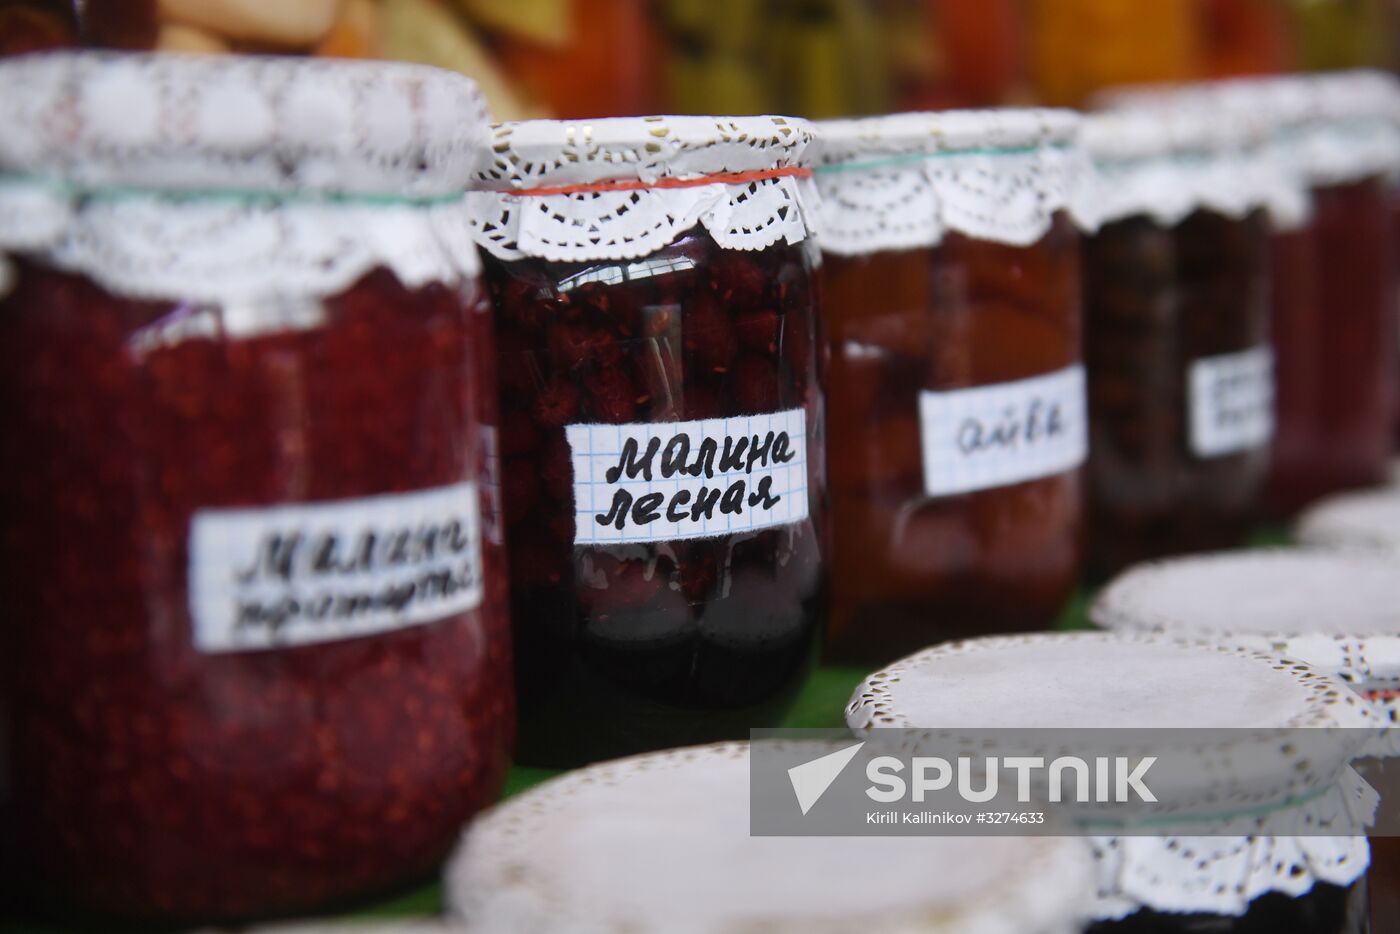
x=1323, y=129
x=228, y=180
x=904, y=181
x=1368, y=520
x=1167, y=162
x=1131, y=682
x=661, y=842
x=624, y=187
x=1338, y=610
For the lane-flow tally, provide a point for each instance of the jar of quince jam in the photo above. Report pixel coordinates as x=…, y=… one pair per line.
x=257, y=652
x=662, y=434
x=958, y=422
x=1259, y=818
x=1180, y=367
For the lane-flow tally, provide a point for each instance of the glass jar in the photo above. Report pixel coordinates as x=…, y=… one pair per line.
x=1338, y=134
x=255, y=594
x=1180, y=365
x=957, y=410
x=1331, y=605
x=1081, y=46
x=1208, y=709
x=662, y=433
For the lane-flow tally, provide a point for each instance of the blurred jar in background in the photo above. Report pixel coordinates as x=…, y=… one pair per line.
x=1246, y=37
x=957, y=413
x=953, y=53
x=818, y=58
x=1336, y=137
x=602, y=61
x=1338, y=34
x=1081, y=46
x=37, y=25
x=1181, y=380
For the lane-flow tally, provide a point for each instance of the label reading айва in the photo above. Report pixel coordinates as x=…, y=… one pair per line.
x=1232, y=402
x=652, y=482
x=297, y=574
x=1005, y=433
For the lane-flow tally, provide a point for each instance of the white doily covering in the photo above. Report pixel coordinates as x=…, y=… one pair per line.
x=624, y=224
x=225, y=179
x=661, y=843
x=904, y=181
x=1338, y=610
x=1108, y=680
x=1167, y=162
x=1367, y=520
x=1318, y=130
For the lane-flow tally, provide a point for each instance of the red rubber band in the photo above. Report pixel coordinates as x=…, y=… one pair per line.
x=636, y=184
x=1390, y=694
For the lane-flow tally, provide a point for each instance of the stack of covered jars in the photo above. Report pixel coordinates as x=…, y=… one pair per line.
x=1181, y=379
x=1335, y=139
x=958, y=420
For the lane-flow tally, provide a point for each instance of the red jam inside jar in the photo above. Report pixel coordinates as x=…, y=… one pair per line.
x=1323, y=909
x=1349, y=349
x=629, y=638
x=913, y=566
x=959, y=426
x=257, y=658
x=1178, y=337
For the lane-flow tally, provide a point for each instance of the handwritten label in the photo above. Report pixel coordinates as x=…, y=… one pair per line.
x=653, y=482
x=1232, y=402
x=991, y=436
x=319, y=572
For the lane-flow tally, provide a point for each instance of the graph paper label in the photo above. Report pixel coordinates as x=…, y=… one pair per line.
x=1005, y=433
x=318, y=572
x=663, y=481
x=1232, y=402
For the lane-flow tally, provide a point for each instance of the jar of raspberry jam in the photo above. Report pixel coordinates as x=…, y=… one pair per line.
x=958, y=420
x=1271, y=820
x=257, y=646
x=1181, y=379
x=662, y=425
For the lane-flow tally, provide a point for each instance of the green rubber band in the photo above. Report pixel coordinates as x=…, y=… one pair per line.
x=1263, y=810
x=913, y=157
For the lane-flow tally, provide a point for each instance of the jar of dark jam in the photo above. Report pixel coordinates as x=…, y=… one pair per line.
x=257, y=653
x=958, y=422
x=662, y=435
x=1335, y=325
x=1180, y=366
x=1216, y=714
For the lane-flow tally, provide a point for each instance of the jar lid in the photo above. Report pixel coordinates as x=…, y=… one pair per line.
x=199, y=124
x=227, y=179
x=1327, y=128
x=904, y=181
x=624, y=187
x=1135, y=682
x=1167, y=161
x=1368, y=520
x=662, y=842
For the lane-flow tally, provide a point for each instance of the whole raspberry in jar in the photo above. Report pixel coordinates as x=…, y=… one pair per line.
x=662, y=425
x=257, y=651
x=1181, y=383
x=958, y=422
